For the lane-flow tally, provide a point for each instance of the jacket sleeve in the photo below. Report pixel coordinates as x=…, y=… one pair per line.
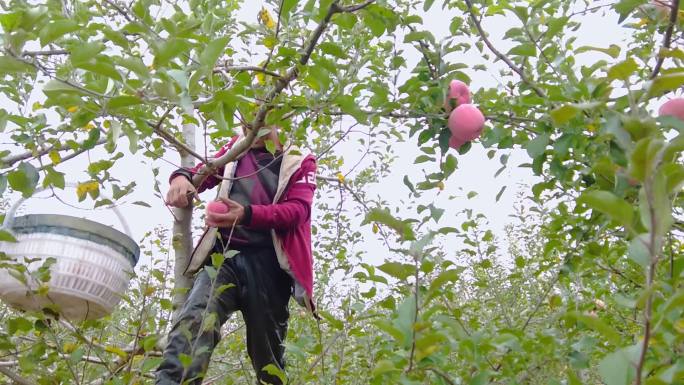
x=210, y=181
x=294, y=209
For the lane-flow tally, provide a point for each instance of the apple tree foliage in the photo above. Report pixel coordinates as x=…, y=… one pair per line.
x=585, y=286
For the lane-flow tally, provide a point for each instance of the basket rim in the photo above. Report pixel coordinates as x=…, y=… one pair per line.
x=79, y=228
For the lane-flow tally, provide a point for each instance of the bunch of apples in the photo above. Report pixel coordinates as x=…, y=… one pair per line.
x=466, y=121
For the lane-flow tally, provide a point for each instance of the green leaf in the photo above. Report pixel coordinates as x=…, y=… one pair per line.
x=24, y=179
x=623, y=70
x=6, y=237
x=537, y=146
x=612, y=51
x=275, y=371
x=526, y=49
x=349, y=106
x=427, y=5
x=287, y=7
x=564, y=114
x=644, y=157
x=501, y=191
x=56, y=29
x=610, y=204
x=213, y=51
x=638, y=250
x=382, y=367
x=123, y=101
x=383, y=216
x=169, y=50
x=150, y=363
x=333, y=49
x=598, y=325
x=397, y=270
x=666, y=83
x=444, y=277
x=9, y=65
x=618, y=368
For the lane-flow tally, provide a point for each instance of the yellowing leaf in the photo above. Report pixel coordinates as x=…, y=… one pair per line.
x=68, y=347
x=55, y=157
x=266, y=19
x=375, y=228
x=117, y=351
x=72, y=109
x=37, y=106
x=340, y=177
x=440, y=186
x=260, y=78
x=86, y=188
x=89, y=126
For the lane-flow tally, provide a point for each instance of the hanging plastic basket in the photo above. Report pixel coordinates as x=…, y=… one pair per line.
x=90, y=271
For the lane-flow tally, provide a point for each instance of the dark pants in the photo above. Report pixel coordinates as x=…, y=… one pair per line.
x=252, y=282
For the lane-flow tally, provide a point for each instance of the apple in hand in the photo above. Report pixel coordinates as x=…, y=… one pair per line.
x=217, y=207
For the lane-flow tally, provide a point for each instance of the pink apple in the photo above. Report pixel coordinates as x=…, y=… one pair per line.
x=465, y=123
x=673, y=107
x=217, y=207
x=459, y=92
x=456, y=143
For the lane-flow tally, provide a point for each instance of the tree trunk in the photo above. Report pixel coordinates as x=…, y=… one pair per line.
x=182, y=234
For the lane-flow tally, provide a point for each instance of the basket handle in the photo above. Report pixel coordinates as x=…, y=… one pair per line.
x=9, y=217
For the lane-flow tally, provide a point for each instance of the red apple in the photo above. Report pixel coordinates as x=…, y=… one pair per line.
x=673, y=107
x=217, y=207
x=456, y=143
x=465, y=123
x=459, y=92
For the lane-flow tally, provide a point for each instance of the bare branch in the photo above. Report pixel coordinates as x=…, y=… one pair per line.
x=498, y=53
x=667, y=39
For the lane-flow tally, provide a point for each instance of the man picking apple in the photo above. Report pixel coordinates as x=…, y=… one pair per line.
x=263, y=212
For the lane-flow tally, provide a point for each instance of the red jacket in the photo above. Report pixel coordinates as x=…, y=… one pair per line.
x=288, y=218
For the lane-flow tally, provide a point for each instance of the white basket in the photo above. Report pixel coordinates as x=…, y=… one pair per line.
x=92, y=269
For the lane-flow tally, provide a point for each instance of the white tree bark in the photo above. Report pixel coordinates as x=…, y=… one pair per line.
x=182, y=234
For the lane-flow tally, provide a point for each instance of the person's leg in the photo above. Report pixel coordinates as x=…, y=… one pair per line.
x=265, y=310
x=185, y=339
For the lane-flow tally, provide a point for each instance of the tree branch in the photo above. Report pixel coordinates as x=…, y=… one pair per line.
x=228, y=68
x=53, y=52
x=667, y=39
x=15, y=377
x=501, y=56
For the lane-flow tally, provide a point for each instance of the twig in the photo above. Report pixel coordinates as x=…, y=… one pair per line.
x=424, y=49
x=444, y=376
x=501, y=56
x=53, y=52
x=15, y=377
x=667, y=39
x=277, y=32
x=228, y=68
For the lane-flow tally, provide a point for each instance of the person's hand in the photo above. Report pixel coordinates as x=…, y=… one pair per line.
x=233, y=217
x=181, y=191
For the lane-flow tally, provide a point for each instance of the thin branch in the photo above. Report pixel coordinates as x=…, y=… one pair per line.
x=15, y=377
x=277, y=33
x=180, y=146
x=444, y=376
x=228, y=68
x=53, y=52
x=354, y=8
x=74, y=154
x=498, y=53
x=424, y=49
x=667, y=39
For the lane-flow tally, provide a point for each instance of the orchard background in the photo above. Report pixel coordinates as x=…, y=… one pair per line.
x=581, y=285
